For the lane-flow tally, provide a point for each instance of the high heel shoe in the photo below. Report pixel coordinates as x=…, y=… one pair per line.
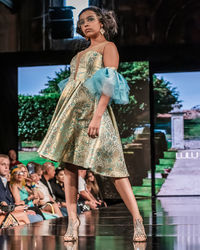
x=72, y=230
x=139, y=232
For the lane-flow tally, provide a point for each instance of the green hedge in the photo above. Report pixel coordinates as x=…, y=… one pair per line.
x=35, y=113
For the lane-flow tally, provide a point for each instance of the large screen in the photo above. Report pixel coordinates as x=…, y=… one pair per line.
x=177, y=122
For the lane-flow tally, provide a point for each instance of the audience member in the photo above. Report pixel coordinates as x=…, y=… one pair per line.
x=6, y=197
x=57, y=184
x=26, y=176
x=45, y=188
x=93, y=187
x=13, y=158
x=42, y=186
x=22, y=194
x=33, y=168
x=85, y=195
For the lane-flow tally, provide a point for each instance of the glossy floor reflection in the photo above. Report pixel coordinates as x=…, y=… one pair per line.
x=170, y=223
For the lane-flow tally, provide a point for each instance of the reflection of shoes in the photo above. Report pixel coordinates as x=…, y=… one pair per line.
x=139, y=232
x=72, y=230
x=139, y=245
x=71, y=245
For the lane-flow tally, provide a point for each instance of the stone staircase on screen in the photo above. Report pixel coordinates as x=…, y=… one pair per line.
x=162, y=169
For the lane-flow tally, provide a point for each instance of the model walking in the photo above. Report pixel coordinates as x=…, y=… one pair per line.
x=83, y=131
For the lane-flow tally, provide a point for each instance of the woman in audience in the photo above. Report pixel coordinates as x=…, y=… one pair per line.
x=57, y=185
x=25, y=196
x=93, y=187
x=21, y=193
x=22, y=196
x=26, y=175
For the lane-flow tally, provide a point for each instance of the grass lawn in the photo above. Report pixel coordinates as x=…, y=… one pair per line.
x=25, y=157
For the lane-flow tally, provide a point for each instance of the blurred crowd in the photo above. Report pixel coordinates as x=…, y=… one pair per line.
x=35, y=192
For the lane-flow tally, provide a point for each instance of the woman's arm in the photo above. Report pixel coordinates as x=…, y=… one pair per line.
x=16, y=195
x=110, y=59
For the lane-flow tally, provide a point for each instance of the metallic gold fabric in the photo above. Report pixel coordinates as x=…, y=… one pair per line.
x=67, y=140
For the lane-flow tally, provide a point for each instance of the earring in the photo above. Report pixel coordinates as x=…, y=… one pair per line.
x=102, y=31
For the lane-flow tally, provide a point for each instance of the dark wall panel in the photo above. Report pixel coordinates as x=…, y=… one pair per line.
x=8, y=108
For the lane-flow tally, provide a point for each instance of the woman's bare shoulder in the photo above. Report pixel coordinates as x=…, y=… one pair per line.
x=110, y=45
x=111, y=55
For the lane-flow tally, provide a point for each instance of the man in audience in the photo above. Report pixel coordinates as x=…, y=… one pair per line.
x=48, y=174
x=13, y=158
x=6, y=197
x=45, y=187
x=84, y=193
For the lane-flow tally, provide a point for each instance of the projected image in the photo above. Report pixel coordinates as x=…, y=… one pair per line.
x=39, y=93
x=177, y=133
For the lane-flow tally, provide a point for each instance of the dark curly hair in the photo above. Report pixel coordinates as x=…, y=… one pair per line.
x=107, y=18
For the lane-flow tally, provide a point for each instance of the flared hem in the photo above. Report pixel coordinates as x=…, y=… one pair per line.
x=84, y=168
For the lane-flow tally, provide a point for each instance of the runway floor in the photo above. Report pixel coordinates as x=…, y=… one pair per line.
x=170, y=223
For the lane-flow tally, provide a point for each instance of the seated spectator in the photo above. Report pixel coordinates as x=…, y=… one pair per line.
x=57, y=185
x=13, y=158
x=6, y=197
x=34, y=169
x=93, y=187
x=26, y=176
x=85, y=195
x=45, y=188
x=22, y=194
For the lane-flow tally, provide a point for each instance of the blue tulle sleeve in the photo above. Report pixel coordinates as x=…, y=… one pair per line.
x=62, y=84
x=109, y=82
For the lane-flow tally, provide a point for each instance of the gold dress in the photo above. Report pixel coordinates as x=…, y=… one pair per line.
x=67, y=139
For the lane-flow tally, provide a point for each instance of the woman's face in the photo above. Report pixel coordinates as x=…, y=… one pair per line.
x=90, y=177
x=24, y=170
x=34, y=177
x=39, y=174
x=60, y=176
x=18, y=176
x=89, y=23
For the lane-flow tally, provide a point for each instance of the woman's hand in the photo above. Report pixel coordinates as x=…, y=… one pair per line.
x=31, y=212
x=93, y=129
x=31, y=197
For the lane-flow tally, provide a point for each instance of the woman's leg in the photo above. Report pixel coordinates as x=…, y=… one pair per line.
x=123, y=187
x=71, y=190
x=57, y=210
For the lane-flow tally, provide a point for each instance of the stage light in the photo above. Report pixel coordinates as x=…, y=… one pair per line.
x=61, y=22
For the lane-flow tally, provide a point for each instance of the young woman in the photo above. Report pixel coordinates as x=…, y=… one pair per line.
x=22, y=195
x=57, y=185
x=93, y=188
x=83, y=131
